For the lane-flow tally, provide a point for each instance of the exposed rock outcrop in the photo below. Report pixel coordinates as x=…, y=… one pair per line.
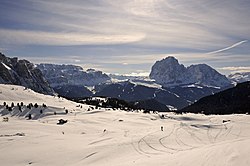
x=22, y=72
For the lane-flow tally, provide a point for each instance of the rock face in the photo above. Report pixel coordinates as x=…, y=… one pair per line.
x=22, y=72
x=72, y=81
x=240, y=77
x=62, y=75
x=230, y=101
x=168, y=72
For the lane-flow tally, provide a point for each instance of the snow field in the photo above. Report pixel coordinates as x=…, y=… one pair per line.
x=104, y=137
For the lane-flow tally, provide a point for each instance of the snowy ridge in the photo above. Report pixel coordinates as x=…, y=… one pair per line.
x=60, y=75
x=137, y=80
x=192, y=86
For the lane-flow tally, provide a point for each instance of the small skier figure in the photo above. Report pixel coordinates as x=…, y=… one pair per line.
x=161, y=128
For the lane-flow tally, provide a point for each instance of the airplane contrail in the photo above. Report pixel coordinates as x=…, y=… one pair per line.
x=227, y=48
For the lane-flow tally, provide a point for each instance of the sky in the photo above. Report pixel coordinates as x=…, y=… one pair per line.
x=128, y=36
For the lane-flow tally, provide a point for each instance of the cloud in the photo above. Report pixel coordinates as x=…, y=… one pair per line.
x=227, y=48
x=2, y=49
x=173, y=23
x=134, y=32
x=234, y=69
x=49, y=38
x=142, y=74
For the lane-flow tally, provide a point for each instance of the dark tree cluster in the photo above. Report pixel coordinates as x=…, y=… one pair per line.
x=110, y=103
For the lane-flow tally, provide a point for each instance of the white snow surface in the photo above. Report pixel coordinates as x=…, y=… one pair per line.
x=138, y=80
x=131, y=138
x=192, y=86
x=7, y=67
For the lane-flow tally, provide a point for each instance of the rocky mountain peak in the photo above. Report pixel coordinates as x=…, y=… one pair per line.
x=22, y=72
x=168, y=72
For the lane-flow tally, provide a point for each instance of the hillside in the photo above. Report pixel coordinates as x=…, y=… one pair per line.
x=103, y=137
x=231, y=101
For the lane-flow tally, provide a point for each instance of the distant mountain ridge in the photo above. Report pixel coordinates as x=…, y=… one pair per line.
x=61, y=75
x=23, y=72
x=186, y=85
x=72, y=81
x=168, y=72
x=233, y=100
x=240, y=77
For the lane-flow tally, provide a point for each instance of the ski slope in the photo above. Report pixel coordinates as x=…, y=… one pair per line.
x=103, y=137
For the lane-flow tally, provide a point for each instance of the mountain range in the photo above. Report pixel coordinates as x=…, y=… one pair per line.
x=72, y=81
x=169, y=84
x=61, y=75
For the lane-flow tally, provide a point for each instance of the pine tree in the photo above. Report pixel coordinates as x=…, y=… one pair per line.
x=36, y=105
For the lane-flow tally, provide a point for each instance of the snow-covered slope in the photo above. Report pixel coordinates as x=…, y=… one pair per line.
x=240, y=77
x=168, y=72
x=22, y=72
x=17, y=94
x=116, y=138
x=61, y=75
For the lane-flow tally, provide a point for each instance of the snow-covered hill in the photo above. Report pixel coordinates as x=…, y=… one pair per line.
x=168, y=72
x=102, y=137
x=17, y=94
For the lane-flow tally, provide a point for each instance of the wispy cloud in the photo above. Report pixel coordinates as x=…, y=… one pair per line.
x=140, y=74
x=25, y=37
x=234, y=69
x=131, y=32
x=161, y=23
x=2, y=49
x=228, y=48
